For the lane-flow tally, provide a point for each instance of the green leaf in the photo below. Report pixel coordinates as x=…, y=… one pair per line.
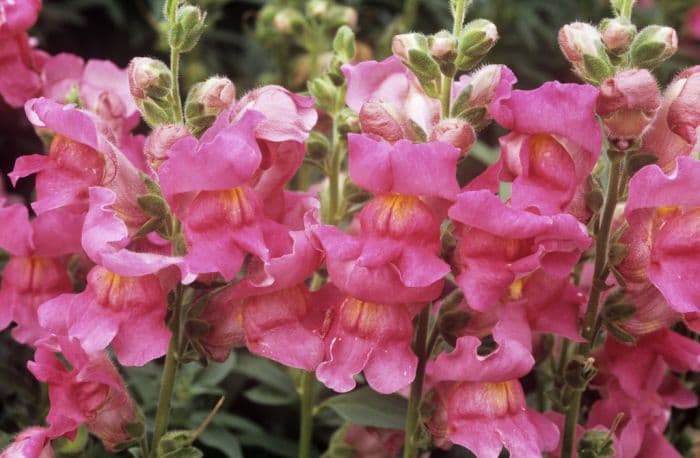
x=221, y=439
x=267, y=395
x=266, y=372
x=369, y=408
x=216, y=372
x=276, y=445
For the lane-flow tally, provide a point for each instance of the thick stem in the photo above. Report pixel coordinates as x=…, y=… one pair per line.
x=446, y=80
x=306, y=393
x=408, y=15
x=334, y=196
x=600, y=274
x=626, y=10
x=175, y=83
x=413, y=414
x=167, y=384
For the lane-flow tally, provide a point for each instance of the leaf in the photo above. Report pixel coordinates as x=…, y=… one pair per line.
x=274, y=444
x=266, y=372
x=266, y=395
x=223, y=440
x=216, y=372
x=366, y=407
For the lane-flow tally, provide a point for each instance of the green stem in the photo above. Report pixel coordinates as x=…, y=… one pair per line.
x=408, y=15
x=446, y=80
x=413, y=415
x=600, y=274
x=626, y=9
x=335, y=163
x=175, y=83
x=167, y=384
x=308, y=380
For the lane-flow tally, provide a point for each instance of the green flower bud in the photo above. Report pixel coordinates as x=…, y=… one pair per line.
x=344, y=44
x=288, y=21
x=206, y=100
x=617, y=35
x=653, y=45
x=148, y=78
x=187, y=29
x=475, y=41
x=324, y=91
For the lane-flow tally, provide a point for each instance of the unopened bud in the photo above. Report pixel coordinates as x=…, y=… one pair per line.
x=317, y=8
x=148, y=78
x=160, y=141
x=342, y=15
x=344, y=44
x=187, y=29
x=627, y=103
x=317, y=146
x=595, y=444
x=472, y=102
x=348, y=121
x=455, y=132
x=384, y=121
x=617, y=35
x=653, y=45
x=475, y=41
x=206, y=100
x=288, y=20
x=402, y=44
x=324, y=91
x=582, y=45
x=443, y=45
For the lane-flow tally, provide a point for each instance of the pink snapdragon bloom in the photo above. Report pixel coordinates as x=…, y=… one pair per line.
x=102, y=87
x=672, y=134
x=370, y=337
x=88, y=391
x=19, y=69
x=270, y=310
x=663, y=214
x=652, y=312
x=32, y=442
x=287, y=120
x=37, y=270
x=223, y=215
x=128, y=312
x=395, y=259
x=498, y=245
x=369, y=442
x=17, y=17
x=393, y=85
x=628, y=103
x=82, y=154
x=554, y=144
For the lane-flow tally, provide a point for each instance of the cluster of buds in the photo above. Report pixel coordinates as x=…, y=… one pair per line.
x=150, y=83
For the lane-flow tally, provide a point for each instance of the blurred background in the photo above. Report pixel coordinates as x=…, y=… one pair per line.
x=243, y=43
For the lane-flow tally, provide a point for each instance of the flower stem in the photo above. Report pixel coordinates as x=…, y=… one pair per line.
x=626, y=9
x=600, y=274
x=446, y=80
x=336, y=159
x=306, y=392
x=171, y=10
x=413, y=416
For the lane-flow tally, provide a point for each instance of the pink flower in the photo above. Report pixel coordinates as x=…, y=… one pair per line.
x=17, y=17
x=128, y=312
x=19, y=69
x=370, y=337
x=498, y=245
x=628, y=103
x=391, y=83
x=666, y=251
x=487, y=416
x=32, y=442
x=37, y=270
x=427, y=169
x=160, y=140
x=672, y=133
x=554, y=144
x=368, y=442
x=89, y=391
x=82, y=154
x=488, y=86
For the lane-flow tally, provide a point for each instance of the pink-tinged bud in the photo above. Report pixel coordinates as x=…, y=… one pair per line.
x=384, y=121
x=455, y=132
x=484, y=84
x=651, y=314
x=160, y=141
x=617, y=34
x=287, y=20
x=653, y=45
x=401, y=45
x=578, y=39
x=217, y=93
x=684, y=111
x=443, y=45
x=148, y=78
x=627, y=103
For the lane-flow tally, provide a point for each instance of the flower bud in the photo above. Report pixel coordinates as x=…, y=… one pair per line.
x=455, y=132
x=344, y=44
x=384, y=121
x=324, y=91
x=342, y=15
x=187, y=29
x=288, y=20
x=160, y=141
x=443, y=46
x=627, y=103
x=148, y=78
x=617, y=35
x=412, y=49
x=475, y=41
x=317, y=8
x=206, y=100
x=653, y=45
x=582, y=45
x=684, y=111
x=402, y=44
